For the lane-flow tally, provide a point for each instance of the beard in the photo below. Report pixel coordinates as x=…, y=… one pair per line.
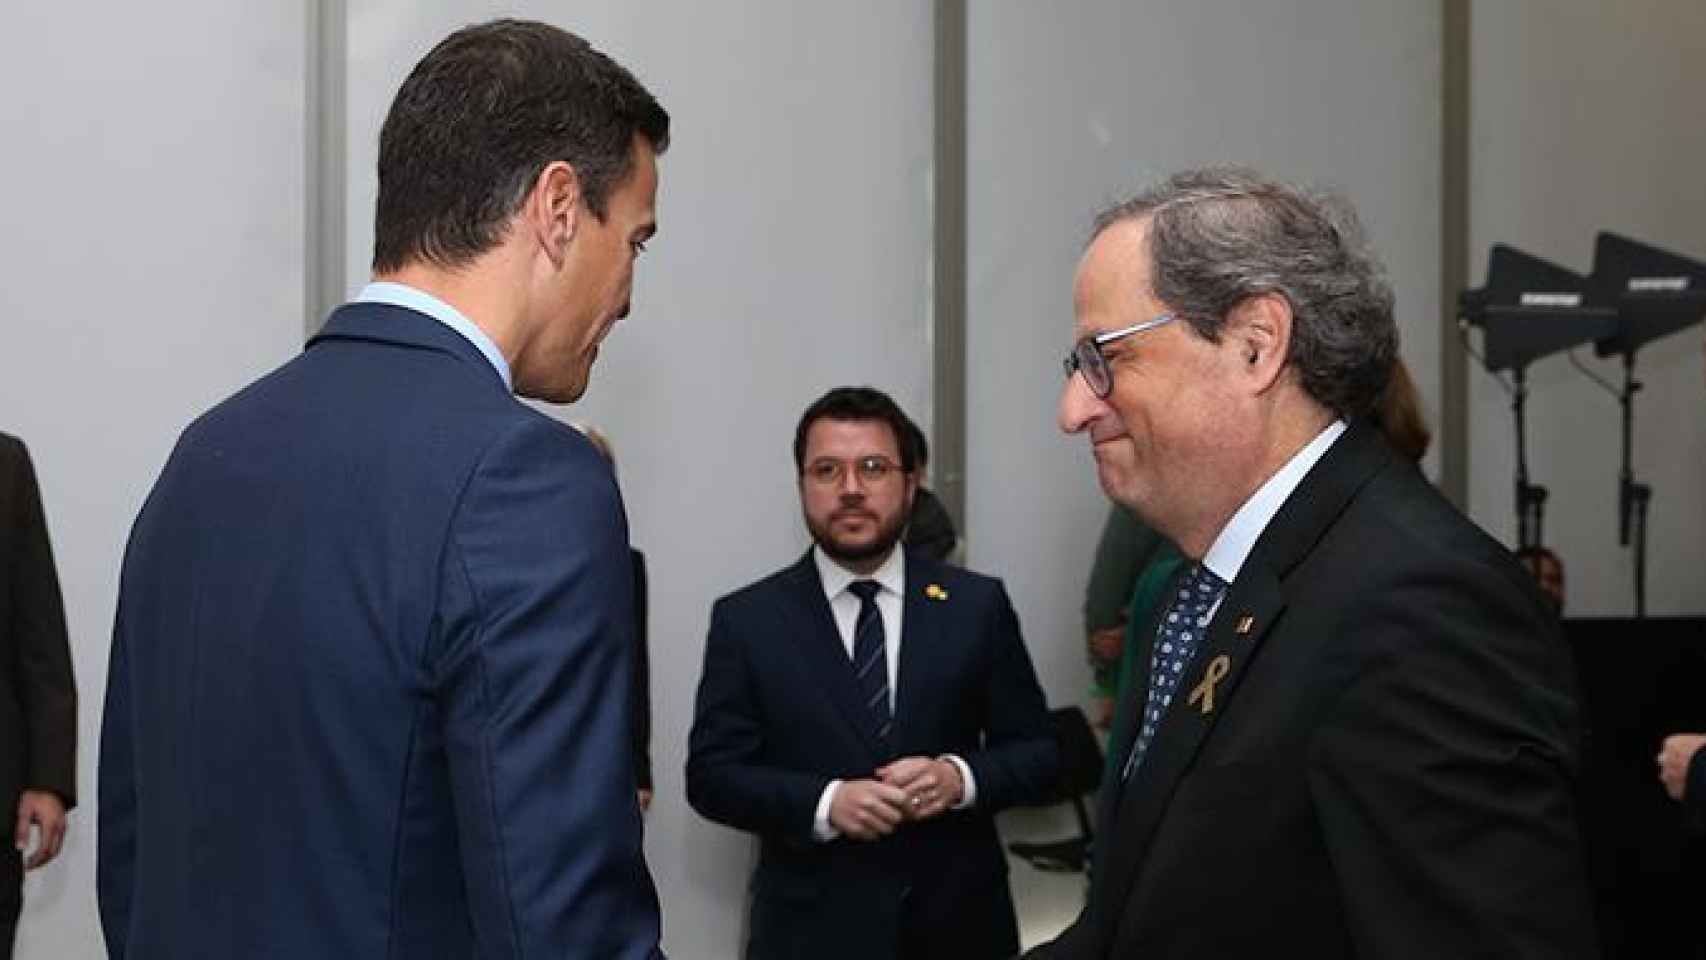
x=888, y=534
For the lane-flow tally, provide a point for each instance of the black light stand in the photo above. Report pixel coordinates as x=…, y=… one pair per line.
x=1656, y=294
x=1530, y=308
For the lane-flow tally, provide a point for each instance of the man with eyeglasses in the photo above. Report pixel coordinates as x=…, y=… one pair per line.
x=1354, y=728
x=865, y=712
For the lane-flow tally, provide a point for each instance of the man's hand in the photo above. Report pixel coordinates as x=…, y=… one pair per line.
x=1674, y=757
x=1107, y=644
x=645, y=798
x=931, y=786
x=47, y=813
x=867, y=809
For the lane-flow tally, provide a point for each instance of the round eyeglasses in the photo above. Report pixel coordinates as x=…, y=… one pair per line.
x=1087, y=360
x=871, y=470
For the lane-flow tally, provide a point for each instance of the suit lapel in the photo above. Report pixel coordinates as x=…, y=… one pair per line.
x=1253, y=603
x=812, y=632
x=920, y=628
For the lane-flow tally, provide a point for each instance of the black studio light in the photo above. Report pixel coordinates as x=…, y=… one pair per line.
x=1529, y=309
x=1656, y=293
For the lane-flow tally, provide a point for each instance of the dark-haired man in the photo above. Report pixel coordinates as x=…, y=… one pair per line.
x=1355, y=727
x=865, y=712
x=369, y=687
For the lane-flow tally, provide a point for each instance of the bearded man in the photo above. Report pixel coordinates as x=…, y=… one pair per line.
x=865, y=712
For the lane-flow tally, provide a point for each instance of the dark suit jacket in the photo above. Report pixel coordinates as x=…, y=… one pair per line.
x=38, y=700
x=779, y=716
x=369, y=693
x=642, y=724
x=1387, y=769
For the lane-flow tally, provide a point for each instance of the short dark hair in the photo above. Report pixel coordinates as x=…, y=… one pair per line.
x=920, y=445
x=1219, y=235
x=478, y=119
x=858, y=403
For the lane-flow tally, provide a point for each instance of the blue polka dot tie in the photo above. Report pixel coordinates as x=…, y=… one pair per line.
x=1176, y=640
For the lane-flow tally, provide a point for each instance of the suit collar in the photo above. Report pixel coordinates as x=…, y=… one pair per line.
x=1226, y=555
x=1253, y=603
x=923, y=604
x=923, y=607
x=835, y=578
x=818, y=641
x=400, y=326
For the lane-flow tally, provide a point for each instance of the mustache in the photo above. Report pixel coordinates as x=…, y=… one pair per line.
x=851, y=512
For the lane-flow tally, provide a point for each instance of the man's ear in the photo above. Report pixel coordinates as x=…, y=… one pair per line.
x=1259, y=329
x=551, y=211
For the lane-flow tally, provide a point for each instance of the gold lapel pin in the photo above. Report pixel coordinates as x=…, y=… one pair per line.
x=1245, y=623
x=935, y=592
x=1217, y=670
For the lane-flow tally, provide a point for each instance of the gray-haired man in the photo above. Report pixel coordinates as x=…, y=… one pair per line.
x=1357, y=728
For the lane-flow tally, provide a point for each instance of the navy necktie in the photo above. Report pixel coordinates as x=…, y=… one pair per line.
x=1176, y=640
x=870, y=657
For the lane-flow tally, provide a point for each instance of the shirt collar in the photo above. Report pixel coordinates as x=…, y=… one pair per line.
x=1227, y=554
x=413, y=298
x=891, y=575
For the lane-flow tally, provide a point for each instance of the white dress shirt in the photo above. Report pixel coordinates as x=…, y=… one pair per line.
x=844, y=606
x=1226, y=555
x=403, y=295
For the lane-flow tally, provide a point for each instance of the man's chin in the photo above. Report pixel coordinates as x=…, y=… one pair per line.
x=855, y=552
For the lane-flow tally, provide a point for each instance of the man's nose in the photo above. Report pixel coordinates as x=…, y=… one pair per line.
x=1078, y=405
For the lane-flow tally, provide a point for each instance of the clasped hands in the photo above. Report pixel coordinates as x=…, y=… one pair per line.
x=909, y=789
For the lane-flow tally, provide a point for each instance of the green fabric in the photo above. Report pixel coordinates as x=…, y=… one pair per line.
x=1125, y=547
x=1146, y=595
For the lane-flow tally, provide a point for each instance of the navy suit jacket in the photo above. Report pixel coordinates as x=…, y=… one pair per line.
x=369, y=690
x=779, y=716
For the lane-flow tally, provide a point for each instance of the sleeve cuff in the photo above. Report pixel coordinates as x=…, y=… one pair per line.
x=969, y=797
x=822, y=832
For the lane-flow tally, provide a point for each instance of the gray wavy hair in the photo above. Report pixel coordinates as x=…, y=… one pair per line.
x=1220, y=235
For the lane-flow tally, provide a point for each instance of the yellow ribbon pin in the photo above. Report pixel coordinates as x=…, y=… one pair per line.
x=935, y=592
x=1217, y=670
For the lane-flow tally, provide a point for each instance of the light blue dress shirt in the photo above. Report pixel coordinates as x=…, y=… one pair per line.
x=403, y=295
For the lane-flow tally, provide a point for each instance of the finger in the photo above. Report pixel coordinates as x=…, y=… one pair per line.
x=21, y=834
x=876, y=826
x=890, y=794
x=885, y=814
x=58, y=838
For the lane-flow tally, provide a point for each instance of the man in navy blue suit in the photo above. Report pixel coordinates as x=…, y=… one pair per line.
x=865, y=712
x=368, y=694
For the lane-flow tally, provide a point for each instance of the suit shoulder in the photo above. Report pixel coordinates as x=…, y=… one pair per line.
x=968, y=582
x=763, y=592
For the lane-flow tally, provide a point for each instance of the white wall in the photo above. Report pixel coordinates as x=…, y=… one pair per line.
x=793, y=256
x=152, y=255
x=1069, y=113
x=1587, y=116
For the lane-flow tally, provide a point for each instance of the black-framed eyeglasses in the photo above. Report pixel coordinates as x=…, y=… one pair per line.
x=1086, y=357
x=871, y=470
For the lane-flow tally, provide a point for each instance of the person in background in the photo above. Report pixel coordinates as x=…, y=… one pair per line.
x=1125, y=549
x=370, y=672
x=1399, y=415
x=929, y=527
x=38, y=696
x=866, y=712
x=1681, y=760
x=1548, y=573
x=642, y=725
